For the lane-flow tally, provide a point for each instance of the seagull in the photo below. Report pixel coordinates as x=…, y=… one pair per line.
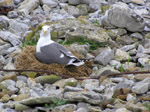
x=48, y=51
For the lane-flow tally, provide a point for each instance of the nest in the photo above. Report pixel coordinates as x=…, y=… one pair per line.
x=27, y=60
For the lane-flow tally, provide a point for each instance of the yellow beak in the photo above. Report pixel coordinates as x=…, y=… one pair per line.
x=45, y=31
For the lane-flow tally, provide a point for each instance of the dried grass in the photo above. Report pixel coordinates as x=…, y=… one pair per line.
x=26, y=60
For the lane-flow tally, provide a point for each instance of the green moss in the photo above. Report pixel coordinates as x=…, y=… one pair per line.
x=29, y=74
x=80, y=40
x=104, y=8
x=54, y=34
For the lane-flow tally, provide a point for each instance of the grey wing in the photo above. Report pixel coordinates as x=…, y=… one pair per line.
x=64, y=50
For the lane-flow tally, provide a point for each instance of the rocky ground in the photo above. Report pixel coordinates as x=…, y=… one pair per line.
x=114, y=33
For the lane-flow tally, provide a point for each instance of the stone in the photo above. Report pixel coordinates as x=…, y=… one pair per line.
x=121, y=55
x=10, y=37
x=49, y=3
x=17, y=27
x=16, y=2
x=117, y=79
x=69, y=107
x=141, y=87
x=81, y=110
x=73, y=89
x=6, y=3
x=115, y=64
x=12, y=14
x=27, y=6
x=95, y=5
x=21, y=107
x=128, y=65
x=124, y=40
x=103, y=71
x=5, y=98
x=122, y=110
x=140, y=77
x=105, y=56
x=20, y=97
x=130, y=98
x=74, y=2
x=144, y=62
x=129, y=19
x=50, y=79
x=136, y=36
x=37, y=100
x=3, y=49
x=127, y=48
x=82, y=49
x=90, y=84
x=141, y=2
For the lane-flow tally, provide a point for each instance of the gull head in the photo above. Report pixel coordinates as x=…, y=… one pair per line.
x=45, y=31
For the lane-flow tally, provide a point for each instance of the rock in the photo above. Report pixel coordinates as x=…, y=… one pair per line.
x=136, y=36
x=141, y=87
x=140, y=77
x=4, y=22
x=2, y=61
x=12, y=14
x=121, y=55
x=124, y=40
x=129, y=19
x=20, y=97
x=50, y=79
x=17, y=2
x=81, y=110
x=49, y=3
x=105, y=56
x=10, y=76
x=9, y=84
x=141, y=2
x=115, y=64
x=66, y=82
x=95, y=5
x=73, y=89
x=20, y=84
x=5, y=98
x=131, y=98
x=87, y=96
x=144, y=62
x=128, y=47
x=3, y=49
x=82, y=49
x=17, y=27
x=27, y=6
x=21, y=107
x=37, y=100
x=104, y=71
x=128, y=65
x=122, y=110
x=90, y=84
x=10, y=37
x=69, y=107
x=116, y=79
x=74, y=2
x=7, y=3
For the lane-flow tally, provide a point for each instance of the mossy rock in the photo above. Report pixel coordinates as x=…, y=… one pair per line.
x=71, y=82
x=147, y=36
x=50, y=79
x=21, y=107
x=20, y=97
x=5, y=98
x=29, y=74
x=104, y=8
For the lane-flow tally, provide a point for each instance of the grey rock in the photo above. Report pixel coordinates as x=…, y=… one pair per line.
x=2, y=61
x=22, y=78
x=125, y=40
x=37, y=100
x=74, y=2
x=81, y=110
x=99, y=89
x=10, y=50
x=20, y=84
x=4, y=22
x=119, y=31
x=18, y=27
x=121, y=55
x=36, y=92
x=63, y=1
x=27, y=6
x=73, y=89
x=105, y=56
x=142, y=86
x=90, y=84
x=104, y=71
x=133, y=52
x=50, y=3
x=12, y=14
x=8, y=110
x=21, y=107
x=10, y=37
x=71, y=107
x=122, y=110
x=95, y=5
x=118, y=79
x=10, y=85
x=115, y=64
x=124, y=84
x=130, y=98
x=89, y=56
x=141, y=10
x=137, y=36
x=24, y=90
x=128, y=47
x=129, y=19
x=16, y=2
x=128, y=65
x=144, y=62
x=3, y=48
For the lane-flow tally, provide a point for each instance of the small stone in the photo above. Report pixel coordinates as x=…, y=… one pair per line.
x=49, y=3
x=137, y=36
x=5, y=98
x=12, y=14
x=122, y=110
x=67, y=107
x=71, y=82
x=73, y=89
x=115, y=64
x=128, y=47
x=121, y=55
x=105, y=56
x=131, y=98
x=21, y=107
x=90, y=84
x=50, y=79
x=140, y=77
x=144, y=62
x=20, y=97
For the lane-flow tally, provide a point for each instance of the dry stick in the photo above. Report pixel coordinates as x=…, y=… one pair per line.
x=79, y=78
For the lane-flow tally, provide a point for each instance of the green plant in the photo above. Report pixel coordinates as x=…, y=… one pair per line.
x=122, y=68
x=55, y=102
x=147, y=106
x=81, y=40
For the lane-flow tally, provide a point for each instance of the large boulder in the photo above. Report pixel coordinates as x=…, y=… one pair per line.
x=120, y=15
